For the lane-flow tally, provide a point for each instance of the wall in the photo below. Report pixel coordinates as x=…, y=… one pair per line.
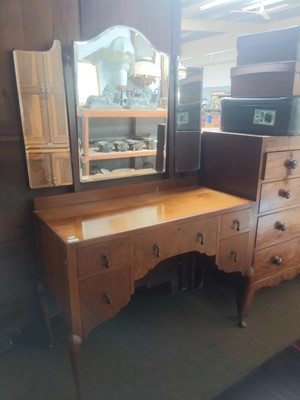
x=33, y=25
x=24, y=25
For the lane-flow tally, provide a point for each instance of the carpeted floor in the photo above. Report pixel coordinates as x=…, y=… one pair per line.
x=162, y=346
x=276, y=379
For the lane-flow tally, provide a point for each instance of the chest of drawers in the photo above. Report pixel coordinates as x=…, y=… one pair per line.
x=267, y=170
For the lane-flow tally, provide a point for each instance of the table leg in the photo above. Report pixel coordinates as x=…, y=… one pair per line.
x=74, y=349
x=45, y=311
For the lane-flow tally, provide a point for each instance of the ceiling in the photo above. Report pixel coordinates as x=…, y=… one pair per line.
x=209, y=35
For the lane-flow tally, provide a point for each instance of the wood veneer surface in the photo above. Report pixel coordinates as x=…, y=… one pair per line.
x=113, y=216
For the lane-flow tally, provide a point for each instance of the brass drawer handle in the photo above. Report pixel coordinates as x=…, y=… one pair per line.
x=200, y=236
x=236, y=223
x=281, y=226
x=287, y=194
x=105, y=261
x=292, y=164
x=234, y=255
x=107, y=297
x=277, y=260
x=156, y=249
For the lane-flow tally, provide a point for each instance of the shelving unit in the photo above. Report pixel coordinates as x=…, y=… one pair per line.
x=89, y=154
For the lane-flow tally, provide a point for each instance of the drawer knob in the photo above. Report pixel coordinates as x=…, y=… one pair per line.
x=236, y=223
x=234, y=255
x=156, y=249
x=105, y=260
x=286, y=193
x=277, y=260
x=200, y=236
x=281, y=226
x=292, y=164
x=107, y=297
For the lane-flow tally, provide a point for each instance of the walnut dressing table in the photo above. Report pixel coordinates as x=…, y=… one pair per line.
x=93, y=246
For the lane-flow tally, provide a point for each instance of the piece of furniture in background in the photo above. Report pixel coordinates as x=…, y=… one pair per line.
x=43, y=110
x=93, y=247
x=89, y=153
x=265, y=169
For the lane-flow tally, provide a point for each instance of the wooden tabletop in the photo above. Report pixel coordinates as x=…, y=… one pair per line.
x=109, y=217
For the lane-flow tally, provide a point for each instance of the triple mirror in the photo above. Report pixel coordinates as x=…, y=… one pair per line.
x=122, y=85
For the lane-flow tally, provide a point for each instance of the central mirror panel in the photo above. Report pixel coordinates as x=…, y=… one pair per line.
x=122, y=105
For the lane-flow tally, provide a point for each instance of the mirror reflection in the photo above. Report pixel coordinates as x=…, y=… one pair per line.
x=121, y=100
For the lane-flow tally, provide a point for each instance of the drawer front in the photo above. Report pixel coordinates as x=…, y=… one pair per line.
x=199, y=235
x=102, y=297
x=98, y=259
x=234, y=254
x=278, y=194
x=275, y=259
x=152, y=247
x=282, y=164
x=235, y=223
x=277, y=227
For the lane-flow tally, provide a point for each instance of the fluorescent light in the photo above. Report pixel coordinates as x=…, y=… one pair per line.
x=261, y=4
x=214, y=4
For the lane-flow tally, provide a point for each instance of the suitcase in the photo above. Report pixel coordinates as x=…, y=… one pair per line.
x=264, y=47
x=261, y=116
x=281, y=79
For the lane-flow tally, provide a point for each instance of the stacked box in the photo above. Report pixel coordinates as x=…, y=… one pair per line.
x=265, y=85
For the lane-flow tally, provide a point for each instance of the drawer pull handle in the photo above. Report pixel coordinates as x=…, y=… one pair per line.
x=250, y=271
x=285, y=193
x=281, y=226
x=105, y=260
x=236, y=223
x=292, y=164
x=200, y=236
x=234, y=255
x=156, y=248
x=277, y=260
x=107, y=297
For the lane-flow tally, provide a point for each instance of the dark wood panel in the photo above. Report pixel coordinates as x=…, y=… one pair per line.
x=24, y=25
x=231, y=163
x=31, y=25
x=151, y=17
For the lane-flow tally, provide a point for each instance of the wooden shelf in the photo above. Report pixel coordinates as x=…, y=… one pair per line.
x=122, y=113
x=97, y=155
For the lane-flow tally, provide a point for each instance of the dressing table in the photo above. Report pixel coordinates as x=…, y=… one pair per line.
x=93, y=246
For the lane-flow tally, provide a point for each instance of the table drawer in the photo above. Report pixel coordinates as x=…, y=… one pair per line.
x=275, y=259
x=152, y=247
x=199, y=235
x=234, y=253
x=103, y=257
x=102, y=297
x=235, y=223
x=277, y=227
x=278, y=194
x=282, y=164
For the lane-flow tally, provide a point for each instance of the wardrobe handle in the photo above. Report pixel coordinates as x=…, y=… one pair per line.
x=236, y=223
x=281, y=226
x=287, y=194
x=105, y=261
x=234, y=255
x=200, y=236
x=156, y=248
x=292, y=164
x=277, y=260
x=107, y=297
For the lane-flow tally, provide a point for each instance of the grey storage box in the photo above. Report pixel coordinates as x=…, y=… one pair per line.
x=265, y=47
x=269, y=116
x=281, y=79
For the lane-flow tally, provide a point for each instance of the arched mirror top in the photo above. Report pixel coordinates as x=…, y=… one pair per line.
x=122, y=101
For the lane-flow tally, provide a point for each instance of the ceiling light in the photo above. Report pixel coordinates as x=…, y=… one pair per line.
x=214, y=3
x=259, y=4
